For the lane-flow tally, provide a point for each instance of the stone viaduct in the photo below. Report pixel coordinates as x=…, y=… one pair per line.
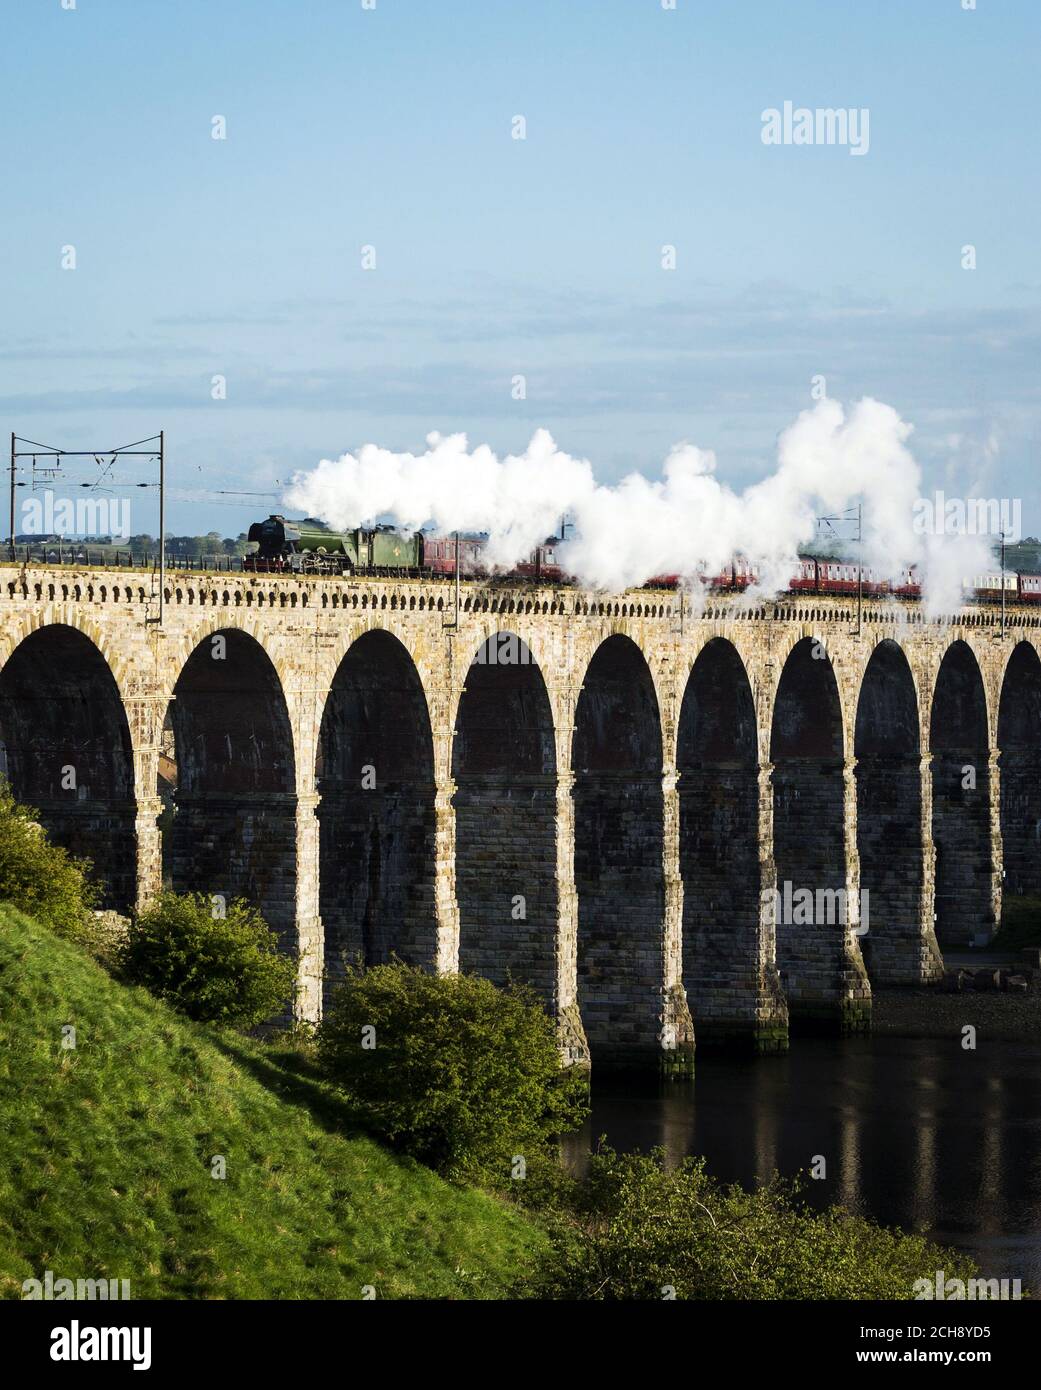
x=623, y=803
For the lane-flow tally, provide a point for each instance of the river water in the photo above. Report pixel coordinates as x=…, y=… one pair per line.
x=916, y=1133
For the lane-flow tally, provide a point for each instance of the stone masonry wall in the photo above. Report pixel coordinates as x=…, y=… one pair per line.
x=897, y=947
x=615, y=921
x=719, y=863
x=377, y=875
x=239, y=848
x=621, y=901
x=506, y=878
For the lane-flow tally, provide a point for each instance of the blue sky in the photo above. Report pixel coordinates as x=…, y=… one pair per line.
x=496, y=257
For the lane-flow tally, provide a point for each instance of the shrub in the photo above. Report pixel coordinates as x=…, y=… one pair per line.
x=39, y=877
x=1020, y=923
x=641, y=1230
x=460, y=1074
x=214, y=969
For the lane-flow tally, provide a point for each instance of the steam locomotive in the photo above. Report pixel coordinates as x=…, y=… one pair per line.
x=308, y=547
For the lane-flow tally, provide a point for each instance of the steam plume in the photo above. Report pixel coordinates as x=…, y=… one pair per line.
x=685, y=521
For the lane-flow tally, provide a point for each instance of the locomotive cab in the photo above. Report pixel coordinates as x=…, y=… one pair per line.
x=305, y=546
x=273, y=538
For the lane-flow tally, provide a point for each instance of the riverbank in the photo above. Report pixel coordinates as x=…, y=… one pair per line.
x=934, y=1013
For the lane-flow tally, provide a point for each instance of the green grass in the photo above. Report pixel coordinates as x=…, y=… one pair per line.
x=105, y=1158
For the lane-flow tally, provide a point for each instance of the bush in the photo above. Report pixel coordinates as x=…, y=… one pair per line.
x=1020, y=923
x=460, y=1074
x=41, y=878
x=214, y=969
x=641, y=1230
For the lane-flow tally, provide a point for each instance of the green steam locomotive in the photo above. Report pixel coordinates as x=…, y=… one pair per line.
x=311, y=548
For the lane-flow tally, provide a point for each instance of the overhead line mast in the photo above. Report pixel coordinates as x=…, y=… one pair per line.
x=848, y=515
x=35, y=450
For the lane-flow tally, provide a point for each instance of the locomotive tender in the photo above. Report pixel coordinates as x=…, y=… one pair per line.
x=308, y=547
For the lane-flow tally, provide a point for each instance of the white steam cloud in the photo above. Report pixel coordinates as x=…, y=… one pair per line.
x=685, y=522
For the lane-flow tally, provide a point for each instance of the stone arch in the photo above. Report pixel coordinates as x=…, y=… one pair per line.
x=200, y=633
x=504, y=768
x=619, y=855
x=67, y=751
x=234, y=828
x=959, y=743
x=893, y=841
x=1019, y=741
x=819, y=966
x=726, y=970
x=375, y=777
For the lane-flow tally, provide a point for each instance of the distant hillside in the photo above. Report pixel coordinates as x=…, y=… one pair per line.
x=1022, y=558
x=108, y=1151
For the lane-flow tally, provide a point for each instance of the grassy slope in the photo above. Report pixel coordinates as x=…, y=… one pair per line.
x=105, y=1159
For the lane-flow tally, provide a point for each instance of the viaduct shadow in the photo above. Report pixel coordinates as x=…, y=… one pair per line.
x=1019, y=739
x=890, y=841
x=619, y=856
x=233, y=831
x=66, y=745
x=810, y=850
x=717, y=760
x=375, y=776
x=961, y=800
x=504, y=768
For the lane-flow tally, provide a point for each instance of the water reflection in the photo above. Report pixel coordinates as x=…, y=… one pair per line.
x=915, y=1133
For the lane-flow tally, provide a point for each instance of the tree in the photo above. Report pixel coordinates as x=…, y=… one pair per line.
x=458, y=1073
x=39, y=877
x=215, y=964
x=645, y=1232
